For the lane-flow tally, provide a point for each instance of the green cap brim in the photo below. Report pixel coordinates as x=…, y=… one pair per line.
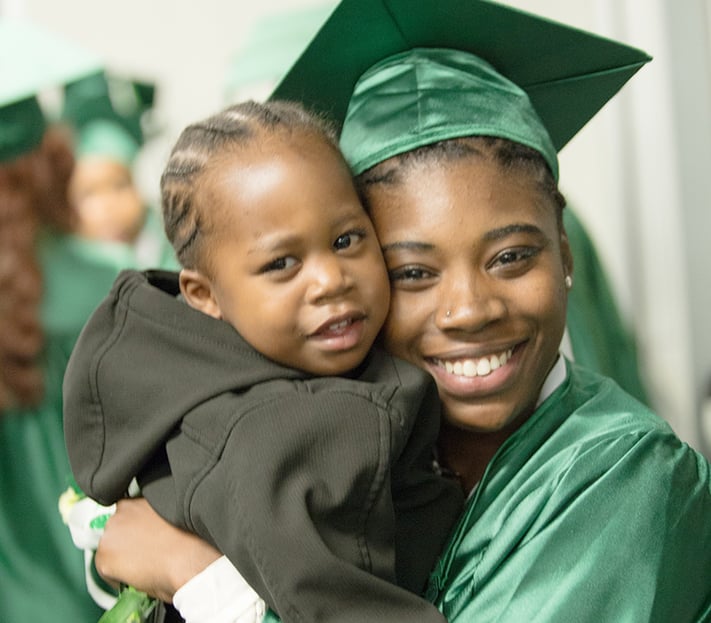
x=22, y=126
x=31, y=61
x=567, y=73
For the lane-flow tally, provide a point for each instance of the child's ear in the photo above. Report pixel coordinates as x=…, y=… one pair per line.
x=197, y=291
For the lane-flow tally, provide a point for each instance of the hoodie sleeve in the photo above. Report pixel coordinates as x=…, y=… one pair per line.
x=124, y=385
x=84, y=425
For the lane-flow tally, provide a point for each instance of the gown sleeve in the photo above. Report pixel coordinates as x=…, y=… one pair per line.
x=623, y=533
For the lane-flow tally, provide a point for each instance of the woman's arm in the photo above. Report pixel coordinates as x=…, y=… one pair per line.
x=140, y=548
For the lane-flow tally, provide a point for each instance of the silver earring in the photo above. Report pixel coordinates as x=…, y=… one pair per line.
x=568, y=282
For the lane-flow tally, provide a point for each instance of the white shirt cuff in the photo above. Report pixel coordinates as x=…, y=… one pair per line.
x=219, y=594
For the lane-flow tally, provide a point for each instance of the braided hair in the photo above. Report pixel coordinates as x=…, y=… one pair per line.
x=200, y=146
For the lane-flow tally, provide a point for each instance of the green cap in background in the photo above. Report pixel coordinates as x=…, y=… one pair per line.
x=566, y=75
x=271, y=47
x=22, y=126
x=106, y=112
x=32, y=60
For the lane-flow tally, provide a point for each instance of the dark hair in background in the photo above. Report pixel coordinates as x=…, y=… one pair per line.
x=33, y=196
x=202, y=144
x=511, y=156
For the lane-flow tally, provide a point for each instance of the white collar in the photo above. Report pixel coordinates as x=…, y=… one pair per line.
x=554, y=379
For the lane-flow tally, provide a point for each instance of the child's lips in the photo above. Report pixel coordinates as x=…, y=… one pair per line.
x=340, y=333
x=337, y=325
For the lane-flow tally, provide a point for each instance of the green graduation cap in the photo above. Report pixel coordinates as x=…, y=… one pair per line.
x=106, y=112
x=32, y=60
x=271, y=46
x=398, y=74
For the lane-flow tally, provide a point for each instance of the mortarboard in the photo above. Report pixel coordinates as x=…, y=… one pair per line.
x=271, y=46
x=105, y=111
x=567, y=74
x=31, y=61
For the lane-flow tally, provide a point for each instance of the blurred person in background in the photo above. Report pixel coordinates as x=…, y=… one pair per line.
x=52, y=275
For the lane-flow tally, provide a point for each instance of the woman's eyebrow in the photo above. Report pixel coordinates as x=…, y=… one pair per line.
x=407, y=245
x=515, y=228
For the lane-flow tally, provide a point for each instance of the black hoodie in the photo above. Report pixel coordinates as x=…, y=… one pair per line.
x=310, y=485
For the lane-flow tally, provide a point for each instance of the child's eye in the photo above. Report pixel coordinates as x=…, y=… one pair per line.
x=281, y=263
x=348, y=239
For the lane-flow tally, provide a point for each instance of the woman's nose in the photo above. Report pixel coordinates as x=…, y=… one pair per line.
x=469, y=303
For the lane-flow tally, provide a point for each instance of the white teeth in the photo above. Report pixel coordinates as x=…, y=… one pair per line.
x=483, y=367
x=339, y=325
x=476, y=367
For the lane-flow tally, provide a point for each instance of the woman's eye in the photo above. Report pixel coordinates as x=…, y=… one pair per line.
x=281, y=263
x=348, y=239
x=409, y=274
x=514, y=257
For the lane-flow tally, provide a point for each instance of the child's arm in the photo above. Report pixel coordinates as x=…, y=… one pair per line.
x=305, y=513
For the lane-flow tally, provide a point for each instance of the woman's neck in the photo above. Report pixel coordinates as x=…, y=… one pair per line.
x=468, y=453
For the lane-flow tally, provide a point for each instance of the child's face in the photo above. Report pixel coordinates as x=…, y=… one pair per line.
x=296, y=267
x=107, y=201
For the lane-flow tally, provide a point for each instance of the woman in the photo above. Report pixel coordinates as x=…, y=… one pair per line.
x=583, y=505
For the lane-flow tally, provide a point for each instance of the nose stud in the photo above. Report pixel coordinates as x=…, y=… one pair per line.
x=448, y=313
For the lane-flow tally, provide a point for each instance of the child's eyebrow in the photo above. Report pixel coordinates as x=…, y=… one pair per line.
x=271, y=241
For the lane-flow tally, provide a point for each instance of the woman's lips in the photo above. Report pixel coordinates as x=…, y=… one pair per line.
x=474, y=377
x=475, y=366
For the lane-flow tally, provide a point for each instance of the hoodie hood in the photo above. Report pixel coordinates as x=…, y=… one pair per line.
x=142, y=362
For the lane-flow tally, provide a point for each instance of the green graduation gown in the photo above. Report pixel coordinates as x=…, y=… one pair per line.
x=592, y=511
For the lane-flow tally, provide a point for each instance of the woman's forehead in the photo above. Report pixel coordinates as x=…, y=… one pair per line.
x=465, y=197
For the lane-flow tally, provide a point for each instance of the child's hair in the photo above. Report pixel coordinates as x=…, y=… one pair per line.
x=507, y=154
x=200, y=144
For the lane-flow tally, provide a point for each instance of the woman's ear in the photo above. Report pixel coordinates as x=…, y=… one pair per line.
x=567, y=255
x=197, y=292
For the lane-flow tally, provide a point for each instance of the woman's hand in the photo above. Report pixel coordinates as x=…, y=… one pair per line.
x=140, y=548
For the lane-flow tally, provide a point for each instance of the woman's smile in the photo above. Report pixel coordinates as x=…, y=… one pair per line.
x=474, y=377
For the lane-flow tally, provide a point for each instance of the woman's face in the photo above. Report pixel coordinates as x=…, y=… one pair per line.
x=477, y=264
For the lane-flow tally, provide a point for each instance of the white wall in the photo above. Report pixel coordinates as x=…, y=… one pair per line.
x=639, y=174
